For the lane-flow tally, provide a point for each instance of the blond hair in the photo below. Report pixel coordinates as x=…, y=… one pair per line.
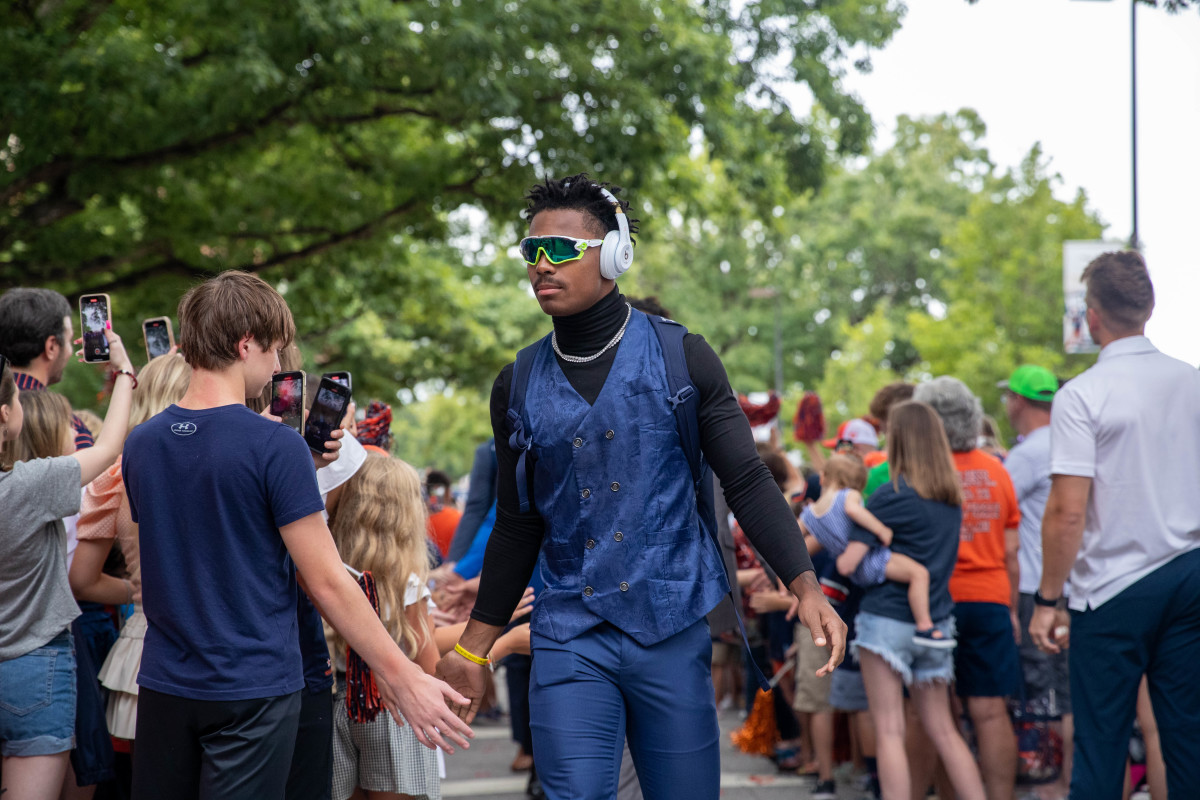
x=847, y=470
x=380, y=527
x=47, y=425
x=161, y=382
x=91, y=420
x=918, y=449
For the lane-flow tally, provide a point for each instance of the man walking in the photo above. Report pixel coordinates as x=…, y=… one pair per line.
x=620, y=643
x=1123, y=517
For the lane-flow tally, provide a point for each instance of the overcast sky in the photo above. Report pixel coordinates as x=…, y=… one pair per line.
x=1058, y=72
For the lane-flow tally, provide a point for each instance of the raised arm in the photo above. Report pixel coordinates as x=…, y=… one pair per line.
x=99, y=457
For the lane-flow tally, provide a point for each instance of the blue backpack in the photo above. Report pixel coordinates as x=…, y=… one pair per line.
x=684, y=401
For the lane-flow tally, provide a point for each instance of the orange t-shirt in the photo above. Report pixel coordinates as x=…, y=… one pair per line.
x=874, y=459
x=442, y=524
x=989, y=508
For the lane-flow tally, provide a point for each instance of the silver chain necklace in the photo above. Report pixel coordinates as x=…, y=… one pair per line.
x=603, y=350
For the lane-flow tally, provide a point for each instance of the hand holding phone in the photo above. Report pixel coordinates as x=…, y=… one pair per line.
x=160, y=337
x=342, y=377
x=95, y=323
x=325, y=416
x=287, y=398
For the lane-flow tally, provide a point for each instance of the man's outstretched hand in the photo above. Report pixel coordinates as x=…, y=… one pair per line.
x=468, y=679
x=822, y=621
x=422, y=700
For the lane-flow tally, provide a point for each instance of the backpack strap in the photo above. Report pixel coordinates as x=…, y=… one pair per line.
x=685, y=402
x=519, y=439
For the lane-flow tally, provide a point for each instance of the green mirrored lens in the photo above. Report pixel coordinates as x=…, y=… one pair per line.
x=558, y=249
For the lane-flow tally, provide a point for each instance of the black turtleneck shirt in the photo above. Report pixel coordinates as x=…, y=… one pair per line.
x=725, y=439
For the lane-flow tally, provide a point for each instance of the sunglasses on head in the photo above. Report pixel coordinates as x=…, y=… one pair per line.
x=557, y=249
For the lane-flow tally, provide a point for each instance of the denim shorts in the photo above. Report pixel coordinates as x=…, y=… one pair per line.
x=37, y=700
x=893, y=641
x=846, y=692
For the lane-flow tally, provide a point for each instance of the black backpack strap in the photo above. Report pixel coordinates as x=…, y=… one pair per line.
x=685, y=402
x=518, y=438
x=684, y=399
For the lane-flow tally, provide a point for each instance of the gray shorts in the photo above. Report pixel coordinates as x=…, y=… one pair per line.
x=380, y=756
x=1047, y=679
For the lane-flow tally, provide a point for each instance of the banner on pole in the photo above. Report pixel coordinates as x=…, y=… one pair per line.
x=1076, y=256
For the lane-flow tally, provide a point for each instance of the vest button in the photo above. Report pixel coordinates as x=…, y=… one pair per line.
x=618, y=536
x=624, y=586
x=615, y=486
x=588, y=591
x=585, y=494
x=577, y=442
x=590, y=544
x=609, y=434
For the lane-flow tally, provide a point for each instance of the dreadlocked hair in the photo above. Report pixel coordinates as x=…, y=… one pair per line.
x=581, y=193
x=379, y=527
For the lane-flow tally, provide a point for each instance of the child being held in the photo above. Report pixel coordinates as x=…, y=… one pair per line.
x=840, y=524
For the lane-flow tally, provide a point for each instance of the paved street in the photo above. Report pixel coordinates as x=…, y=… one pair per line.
x=483, y=771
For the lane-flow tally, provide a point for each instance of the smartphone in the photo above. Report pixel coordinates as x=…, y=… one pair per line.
x=95, y=324
x=326, y=414
x=342, y=377
x=160, y=338
x=287, y=398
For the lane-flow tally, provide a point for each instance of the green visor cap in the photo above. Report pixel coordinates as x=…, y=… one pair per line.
x=1031, y=381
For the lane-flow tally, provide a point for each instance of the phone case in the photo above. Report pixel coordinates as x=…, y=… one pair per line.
x=95, y=320
x=156, y=332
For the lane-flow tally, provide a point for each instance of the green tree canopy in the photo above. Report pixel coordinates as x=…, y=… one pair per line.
x=368, y=156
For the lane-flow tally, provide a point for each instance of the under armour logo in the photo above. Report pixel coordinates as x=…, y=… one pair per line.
x=183, y=428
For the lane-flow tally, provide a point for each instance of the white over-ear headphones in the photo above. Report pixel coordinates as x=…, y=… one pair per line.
x=616, y=254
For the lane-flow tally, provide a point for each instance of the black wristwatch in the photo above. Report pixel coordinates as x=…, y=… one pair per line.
x=1038, y=600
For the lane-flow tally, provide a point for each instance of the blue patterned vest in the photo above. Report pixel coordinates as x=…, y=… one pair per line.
x=623, y=540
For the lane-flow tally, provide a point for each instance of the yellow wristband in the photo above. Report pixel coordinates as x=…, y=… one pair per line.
x=469, y=656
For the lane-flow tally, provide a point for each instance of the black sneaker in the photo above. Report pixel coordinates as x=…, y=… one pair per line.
x=825, y=790
x=533, y=789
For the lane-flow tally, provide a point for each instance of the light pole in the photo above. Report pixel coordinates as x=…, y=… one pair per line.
x=1134, y=241
x=1134, y=244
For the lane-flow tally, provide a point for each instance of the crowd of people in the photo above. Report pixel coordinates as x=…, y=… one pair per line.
x=198, y=603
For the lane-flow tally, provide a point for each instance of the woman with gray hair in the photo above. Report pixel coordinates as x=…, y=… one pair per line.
x=960, y=410
x=984, y=587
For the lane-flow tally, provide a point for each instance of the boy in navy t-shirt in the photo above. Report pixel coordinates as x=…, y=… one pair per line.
x=230, y=525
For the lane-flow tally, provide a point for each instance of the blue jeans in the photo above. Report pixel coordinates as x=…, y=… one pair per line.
x=37, y=700
x=1152, y=627
x=92, y=759
x=587, y=695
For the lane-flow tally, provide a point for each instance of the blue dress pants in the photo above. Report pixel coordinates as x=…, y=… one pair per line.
x=587, y=695
x=1152, y=627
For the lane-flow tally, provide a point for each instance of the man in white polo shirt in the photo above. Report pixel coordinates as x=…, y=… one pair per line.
x=1124, y=518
